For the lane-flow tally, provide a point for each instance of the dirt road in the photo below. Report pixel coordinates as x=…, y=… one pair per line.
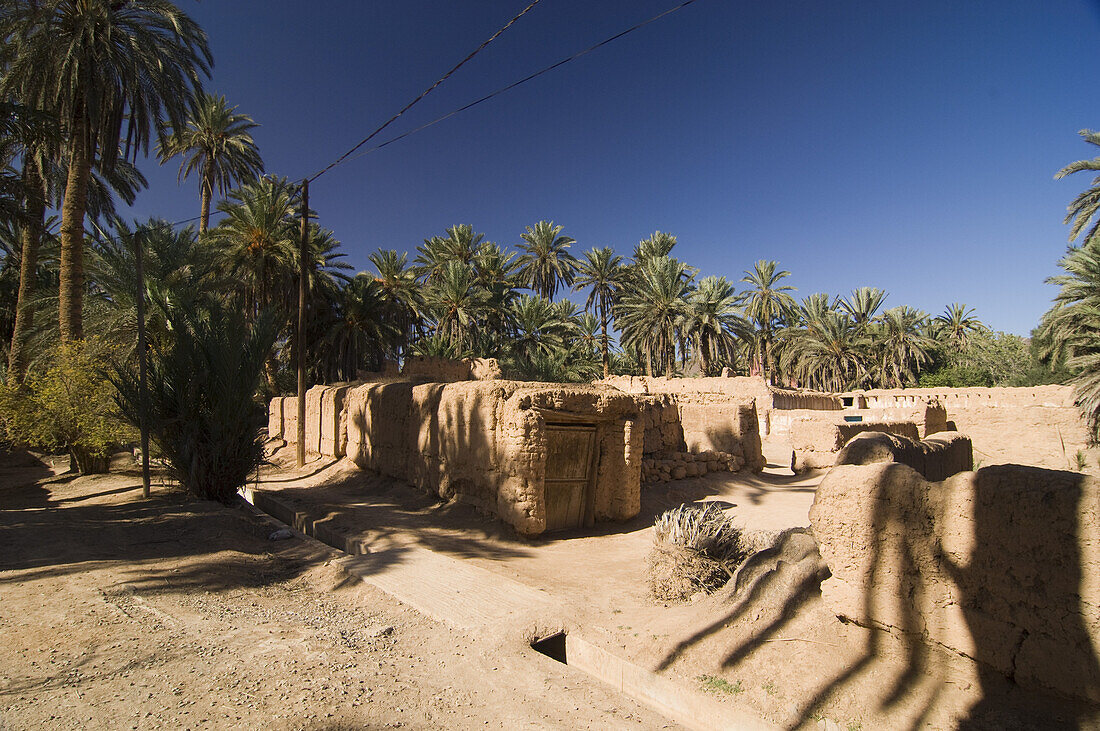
x=117, y=612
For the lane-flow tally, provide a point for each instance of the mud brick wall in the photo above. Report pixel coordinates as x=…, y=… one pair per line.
x=1000, y=566
x=484, y=442
x=1038, y=426
x=936, y=458
x=816, y=442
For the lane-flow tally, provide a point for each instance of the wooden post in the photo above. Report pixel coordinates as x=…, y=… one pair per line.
x=303, y=291
x=143, y=396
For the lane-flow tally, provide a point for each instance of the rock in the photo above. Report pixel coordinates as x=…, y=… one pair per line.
x=280, y=535
x=679, y=472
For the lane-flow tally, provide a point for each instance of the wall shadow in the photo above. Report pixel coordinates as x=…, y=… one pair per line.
x=1019, y=590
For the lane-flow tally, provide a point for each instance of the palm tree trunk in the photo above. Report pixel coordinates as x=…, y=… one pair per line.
x=604, y=347
x=204, y=215
x=704, y=354
x=31, y=236
x=71, y=295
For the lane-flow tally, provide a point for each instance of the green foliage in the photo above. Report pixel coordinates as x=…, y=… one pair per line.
x=715, y=684
x=201, y=408
x=992, y=359
x=70, y=405
x=705, y=530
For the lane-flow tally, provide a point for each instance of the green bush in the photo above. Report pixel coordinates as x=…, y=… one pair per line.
x=202, y=411
x=69, y=406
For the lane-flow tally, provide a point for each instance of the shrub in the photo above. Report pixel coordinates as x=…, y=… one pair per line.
x=202, y=411
x=692, y=549
x=70, y=405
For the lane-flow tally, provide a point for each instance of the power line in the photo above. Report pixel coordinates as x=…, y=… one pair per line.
x=513, y=85
x=423, y=94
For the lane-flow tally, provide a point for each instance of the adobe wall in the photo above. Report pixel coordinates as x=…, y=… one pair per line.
x=1001, y=565
x=692, y=434
x=936, y=457
x=326, y=432
x=447, y=370
x=816, y=441
x=484, y=442
x=1007, y=425
x=769, y=400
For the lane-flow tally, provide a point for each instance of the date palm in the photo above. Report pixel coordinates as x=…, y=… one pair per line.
x=1070, y=330
x=400, y=294
x=497, y=273
x=651, y=314
x=831, y=356
x=863, y=305
x=714, y=322
x=100, y=65
x=602, y=271
x=257, y=239
x=767, y=304
x=957, y=324
x=1082, y=212
x=546, y=262
x=903, y=345
x=457, y=303
x=217, y=143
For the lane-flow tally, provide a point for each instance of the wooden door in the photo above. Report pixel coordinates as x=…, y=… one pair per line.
x=570, y=463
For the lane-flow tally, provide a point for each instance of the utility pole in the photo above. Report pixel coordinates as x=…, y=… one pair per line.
x=303, y=292
x=143, y=395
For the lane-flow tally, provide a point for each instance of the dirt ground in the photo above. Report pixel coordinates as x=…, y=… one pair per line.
x=117, y=612
x=773, y=648
x=122, y=613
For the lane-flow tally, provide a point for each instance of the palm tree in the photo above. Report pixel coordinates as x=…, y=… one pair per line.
x=100, y=64
x=34, y=137
x=1082, y=211
x=957, y=324
x=1070, y=330
x=831, y=356
x=496, y=272
x=903, y=345
x=257, y=238
x=217, y=142
x=363, y=331
x=863, y=305
x=659, y=243
x=400, y=294
x=766, y=305
x=601, y=270
x=539, y=328
x=456, y=303
x=546, y=262
x=651, y=314
x=714, y=322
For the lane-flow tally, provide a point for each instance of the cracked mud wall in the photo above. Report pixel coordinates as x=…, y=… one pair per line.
x=936, y=458
x=1001, y=566
x=484, y=442
x=1037, y=426
x=816, y=441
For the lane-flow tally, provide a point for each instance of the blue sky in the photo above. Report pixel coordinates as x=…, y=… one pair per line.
x=909, y=146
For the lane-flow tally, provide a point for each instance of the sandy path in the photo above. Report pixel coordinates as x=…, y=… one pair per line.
x=117, y=612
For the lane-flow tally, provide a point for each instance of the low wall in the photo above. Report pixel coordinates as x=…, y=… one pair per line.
x=710, y=431
x=447, y=370
x=1037, y=426
x=1001, y=565
x=326, y=432
x=816, y=442
x=936, y=458
x=486, y=443
x=771, y=402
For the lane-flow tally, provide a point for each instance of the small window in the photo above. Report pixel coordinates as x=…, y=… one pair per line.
x=848, y=401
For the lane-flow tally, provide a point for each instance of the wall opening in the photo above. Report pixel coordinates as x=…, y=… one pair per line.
x=553, y=647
